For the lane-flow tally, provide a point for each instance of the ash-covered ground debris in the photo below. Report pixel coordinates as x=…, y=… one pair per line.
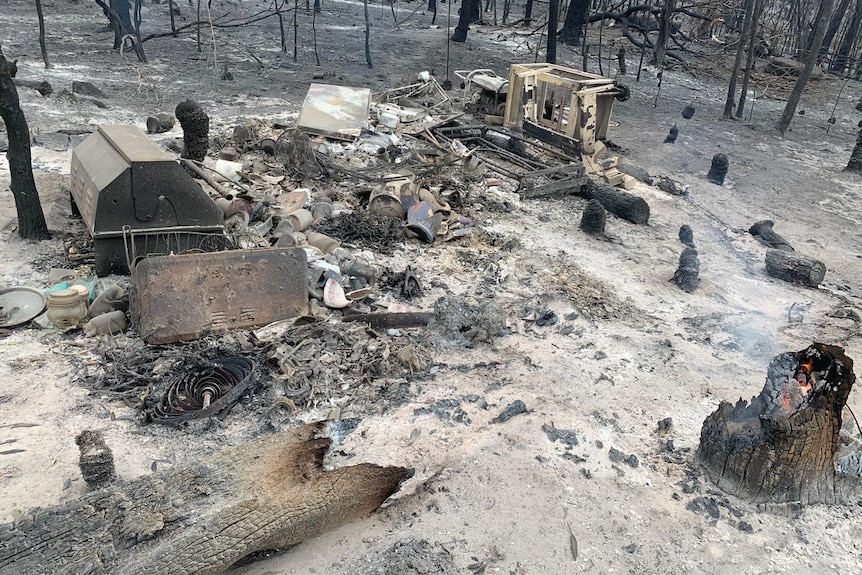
x=344, y=369
x=463, y=320
x=448, y=411
x=404, y=557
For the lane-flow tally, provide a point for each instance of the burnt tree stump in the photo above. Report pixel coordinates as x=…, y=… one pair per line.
x=196, y=127
x=203, y=516
x=687, y=274
x=594, y=218
x=718, y=169
x=792, y=267
x=781, y=447
x=96, y=461
x=686, y=235
x=618, y=202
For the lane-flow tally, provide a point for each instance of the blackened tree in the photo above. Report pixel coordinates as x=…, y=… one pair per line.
x=31, y=219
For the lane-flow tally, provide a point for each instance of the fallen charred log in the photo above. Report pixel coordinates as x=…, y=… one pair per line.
x=203, y=516
x=792, y=267
x=618, y=202
x=763, y=231
x=781, y=447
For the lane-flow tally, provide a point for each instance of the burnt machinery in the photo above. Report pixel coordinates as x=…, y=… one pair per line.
x=122, y=182
x=484, y=92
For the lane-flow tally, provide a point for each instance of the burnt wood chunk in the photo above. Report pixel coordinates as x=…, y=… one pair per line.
x=160, y=123
x=781, y=446
x=618, y=202
x=203, y=516
x=792, y=267
x=763, y=231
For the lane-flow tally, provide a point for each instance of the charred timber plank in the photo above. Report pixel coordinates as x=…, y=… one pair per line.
x=201, y=517
x=792, y=267
x=618, y=202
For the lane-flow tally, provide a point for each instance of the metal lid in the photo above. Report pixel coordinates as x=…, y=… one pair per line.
x=19, y=305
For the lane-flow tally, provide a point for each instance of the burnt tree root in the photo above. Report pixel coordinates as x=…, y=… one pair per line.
x=203, y=516
x=781, y=447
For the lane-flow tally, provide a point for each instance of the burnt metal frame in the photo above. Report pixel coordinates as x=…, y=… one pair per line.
x=568, y=173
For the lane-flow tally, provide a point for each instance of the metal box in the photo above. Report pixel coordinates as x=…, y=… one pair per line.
x=185, y=297
x=122, y=179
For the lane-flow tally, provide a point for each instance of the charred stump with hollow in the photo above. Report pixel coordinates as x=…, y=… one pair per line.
x=781, y=446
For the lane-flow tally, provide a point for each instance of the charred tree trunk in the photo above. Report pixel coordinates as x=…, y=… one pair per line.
x=834, y=25
x=855, y=163
x=810, y=60
x=740, y=50
x=367, y=35
x=31, y=218
x=203, y=516
x=667, y=10
x=842, y=59
x=749, y=62
x=528, y=13
x=553, y=19
x=792, y=267
x=782, y=446
x=42, y=45
x=618, y=202
x=573, y=25
x=471, y=11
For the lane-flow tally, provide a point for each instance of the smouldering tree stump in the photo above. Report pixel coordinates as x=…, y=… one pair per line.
x=792, y=267
x=200, y=517
x=781, y=447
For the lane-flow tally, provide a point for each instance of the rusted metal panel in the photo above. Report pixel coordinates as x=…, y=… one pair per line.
x=335, y=111
x=187, y=296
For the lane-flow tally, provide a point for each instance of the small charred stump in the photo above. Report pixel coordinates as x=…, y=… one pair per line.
x=781, y=447
x=794, y=268
x=196, y=128
x=686, y=235
x=687, y=274
x=594, y=218
x=96, y=461
x=718, y=169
